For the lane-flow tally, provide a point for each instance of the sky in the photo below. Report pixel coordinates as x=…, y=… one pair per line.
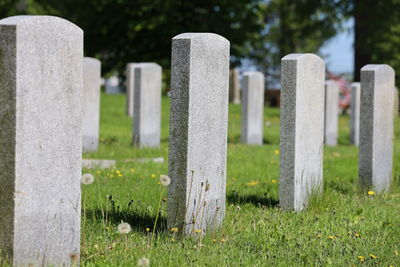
x=339, y=50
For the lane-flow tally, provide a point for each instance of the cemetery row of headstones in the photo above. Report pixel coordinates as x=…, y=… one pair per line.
x=42, y=73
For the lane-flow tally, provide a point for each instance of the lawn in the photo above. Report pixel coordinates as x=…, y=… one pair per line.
x=345, y=228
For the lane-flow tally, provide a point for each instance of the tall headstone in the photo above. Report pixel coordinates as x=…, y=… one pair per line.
x=147, y=105
x=40, y=140
x=234, y=86
x=355, y=114
x=198, y=132
x=252, y=125
x=91, y=104
x=112, y=85
x=130, y=84
x=376, y=128
x=331, y=112
x=302, y=129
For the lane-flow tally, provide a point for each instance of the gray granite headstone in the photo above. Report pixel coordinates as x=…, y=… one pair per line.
x=302, y=129
x=91, y=104
x=41, y=61
x=147, y=105
x=376, y=128
x=130, y=82
x=198, y=131
x=355, y=113
x=98, y=163
x=252, y=125
x=331, y=112
x=234, y=86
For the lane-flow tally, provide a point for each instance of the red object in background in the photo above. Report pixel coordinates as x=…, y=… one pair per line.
x=344, y=90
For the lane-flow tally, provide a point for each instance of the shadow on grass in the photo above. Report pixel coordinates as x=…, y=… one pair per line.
x=138, y=222
x=235, y=198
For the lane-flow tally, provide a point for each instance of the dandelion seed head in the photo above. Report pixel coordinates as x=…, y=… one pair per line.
x=87, y=178
x=124, y=228
x=164, y=180
x=143, y=262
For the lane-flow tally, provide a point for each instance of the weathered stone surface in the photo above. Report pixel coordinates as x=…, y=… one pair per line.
x=198, y=131
x=234, y=86
x=302, y=129
x=355, y=114
x=147, y=105
x=252, y=125
x=112, y=85
x=376, y=128
x=98, y=163
x=40, y=140
x=130, y=84
x=331, y=112
x=91, y=104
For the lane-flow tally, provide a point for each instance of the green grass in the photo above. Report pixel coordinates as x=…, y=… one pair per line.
x=345, y=224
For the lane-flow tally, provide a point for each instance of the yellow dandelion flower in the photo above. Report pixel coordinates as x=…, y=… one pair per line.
x=252, y=183
x=274, y=181
x=120, y=175
x=361, y=258
x=97, y=172
x=197, y=231
x=331, y=237
x=132, y=170
x=153, y=176
x=371, y=193
x=223, y=240
x=277, y=152
x=214, y=240
x=174, y=229
x=373, y=256
x=112, y=175
x=117, y=172
x=147, y=229
x=173, y=239
x=357, y=235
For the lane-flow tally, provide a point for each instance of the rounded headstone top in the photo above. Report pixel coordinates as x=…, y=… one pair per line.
x=201, y=35
x=303, y=56
x=377, y=67
x=33, y=21
x=148, y=65
x=112, y=81
x=92, y=60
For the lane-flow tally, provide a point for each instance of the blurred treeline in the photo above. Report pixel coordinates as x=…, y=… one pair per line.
x=262, y=32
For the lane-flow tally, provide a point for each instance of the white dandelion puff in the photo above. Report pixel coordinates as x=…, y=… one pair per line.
x=87, y=178
x=144, y=262
x=124, y=228
x=164, y=180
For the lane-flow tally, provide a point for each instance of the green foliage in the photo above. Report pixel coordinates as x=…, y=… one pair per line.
x=336, y=230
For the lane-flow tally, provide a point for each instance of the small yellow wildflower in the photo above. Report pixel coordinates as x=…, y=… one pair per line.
x=214, y=240
x=357, y=235
x=361, y=258
x=147, y=229
x=132, y=170
x=277, y=152
x=396, y=253
x=173, y=239
x=331, y=237
x=274, y=181
x=97, y=172
x=112, y=175
x=197, y=231
x=223, y=240
x=120, y=175
x=174, y=229
x=373, y=256
x=153, y=176
x=252, y=183
x=371, y=193
x=319, y=235
x=117, y=172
